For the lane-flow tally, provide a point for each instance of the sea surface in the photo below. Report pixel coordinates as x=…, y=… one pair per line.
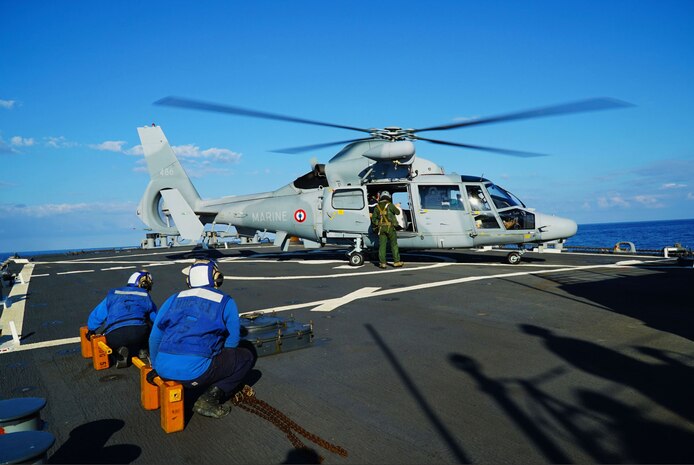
x=645, y=235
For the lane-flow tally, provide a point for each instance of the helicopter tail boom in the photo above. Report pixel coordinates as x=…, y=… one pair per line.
x=170, y=192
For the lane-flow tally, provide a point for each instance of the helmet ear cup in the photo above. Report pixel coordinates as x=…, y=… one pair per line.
x=217, y=277
x=146, y=281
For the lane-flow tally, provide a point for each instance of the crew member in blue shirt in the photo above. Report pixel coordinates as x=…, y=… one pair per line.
x=125, y=316
x=195, y=340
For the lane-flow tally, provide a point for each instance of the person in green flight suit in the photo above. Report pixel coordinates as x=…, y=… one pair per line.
x=384, y=222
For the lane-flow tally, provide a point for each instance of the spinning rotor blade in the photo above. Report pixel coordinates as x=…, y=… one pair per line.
x=199, y=105
x=514, y=153
x=573, y=107
x=306, y=148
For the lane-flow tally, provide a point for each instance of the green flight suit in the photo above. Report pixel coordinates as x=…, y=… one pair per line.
x=384, y=222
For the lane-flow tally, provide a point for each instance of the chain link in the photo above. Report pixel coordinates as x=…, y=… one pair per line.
x=247, y=400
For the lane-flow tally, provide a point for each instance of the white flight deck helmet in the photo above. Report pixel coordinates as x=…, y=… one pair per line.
x=203, y=272
x=384, y=195
x=141, y=279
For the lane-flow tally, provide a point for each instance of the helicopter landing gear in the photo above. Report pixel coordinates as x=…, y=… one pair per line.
x=514, y=258
x=356, y=258
x=356, y=255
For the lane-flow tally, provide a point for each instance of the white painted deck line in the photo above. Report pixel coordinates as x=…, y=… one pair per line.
x=15, y=304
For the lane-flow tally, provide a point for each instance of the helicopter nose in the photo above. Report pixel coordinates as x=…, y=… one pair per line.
x=555, y=227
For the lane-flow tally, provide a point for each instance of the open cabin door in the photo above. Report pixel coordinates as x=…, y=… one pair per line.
x=345, y=211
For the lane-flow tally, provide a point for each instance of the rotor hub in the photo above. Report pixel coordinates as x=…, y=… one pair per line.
x=392, y=134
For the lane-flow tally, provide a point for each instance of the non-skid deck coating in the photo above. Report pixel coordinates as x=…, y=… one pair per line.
x=454, y=358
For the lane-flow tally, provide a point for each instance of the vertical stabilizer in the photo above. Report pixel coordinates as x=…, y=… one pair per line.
x=167, y=174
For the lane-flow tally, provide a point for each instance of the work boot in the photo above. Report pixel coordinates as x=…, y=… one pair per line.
x=143, y=355
x=398, y=264
x=382, y=265
x=122, y=357
x=209, y=404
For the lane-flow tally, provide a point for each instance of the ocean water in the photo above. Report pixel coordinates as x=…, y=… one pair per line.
x=34, y=253
x=645, y=235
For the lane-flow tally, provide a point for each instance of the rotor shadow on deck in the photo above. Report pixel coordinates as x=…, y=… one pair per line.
x=606, y=429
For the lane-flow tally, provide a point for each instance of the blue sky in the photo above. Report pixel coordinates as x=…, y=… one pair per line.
x=77, y=78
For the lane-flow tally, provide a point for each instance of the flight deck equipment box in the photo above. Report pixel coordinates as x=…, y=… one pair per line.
x=271, y=334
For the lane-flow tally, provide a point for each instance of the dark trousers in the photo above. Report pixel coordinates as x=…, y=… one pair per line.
x=227, y=370
x=133, y=337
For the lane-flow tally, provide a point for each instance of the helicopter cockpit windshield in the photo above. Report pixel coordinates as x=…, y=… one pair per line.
x=511, y=210
x=503, y=198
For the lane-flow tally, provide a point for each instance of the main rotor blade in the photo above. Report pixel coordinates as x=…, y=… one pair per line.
x=514, y=153
x=573, y=107
x=307, y=148
x=206, y=106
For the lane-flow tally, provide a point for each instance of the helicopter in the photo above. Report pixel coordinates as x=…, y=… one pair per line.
x=330, y=205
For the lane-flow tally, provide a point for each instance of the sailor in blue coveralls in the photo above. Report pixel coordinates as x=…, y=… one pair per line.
x=125, y=316
x=195, y=340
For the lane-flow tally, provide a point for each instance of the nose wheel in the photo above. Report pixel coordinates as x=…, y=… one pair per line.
x=356, y=258
x=514, y=258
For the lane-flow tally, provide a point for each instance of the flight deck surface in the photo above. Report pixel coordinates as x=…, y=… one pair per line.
x=454, y=358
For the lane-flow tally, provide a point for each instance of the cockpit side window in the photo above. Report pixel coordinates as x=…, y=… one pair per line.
x=478, y=201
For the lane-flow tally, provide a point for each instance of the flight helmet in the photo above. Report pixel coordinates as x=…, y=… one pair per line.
x=141, y=279
x=204, y=272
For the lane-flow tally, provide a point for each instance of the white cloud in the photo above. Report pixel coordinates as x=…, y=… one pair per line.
x=673, y=185
x=110, y=146
x=214, y=153
x=137, y=150
x=18, y=141
x=59, y=142
x=690, y=195
x=615, y=200
x=55, y=209
x=7, y=104
x=649, y=201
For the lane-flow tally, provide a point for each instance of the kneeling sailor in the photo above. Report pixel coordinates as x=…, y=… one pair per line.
x=195, y=340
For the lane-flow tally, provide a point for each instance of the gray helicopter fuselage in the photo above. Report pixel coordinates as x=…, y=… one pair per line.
x=466, y=212
x=333, y=203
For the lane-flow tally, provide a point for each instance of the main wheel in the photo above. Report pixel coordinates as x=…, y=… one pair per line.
x=356, y=259
x=513, y=258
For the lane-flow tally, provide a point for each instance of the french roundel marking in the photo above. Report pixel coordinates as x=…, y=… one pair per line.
x=300, y=216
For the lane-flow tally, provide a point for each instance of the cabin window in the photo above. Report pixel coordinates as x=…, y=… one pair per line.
x=441, y=197
x=348, y=199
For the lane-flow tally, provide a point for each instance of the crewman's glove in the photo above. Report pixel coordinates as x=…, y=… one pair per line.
x=150, y=377
x=89, y=335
